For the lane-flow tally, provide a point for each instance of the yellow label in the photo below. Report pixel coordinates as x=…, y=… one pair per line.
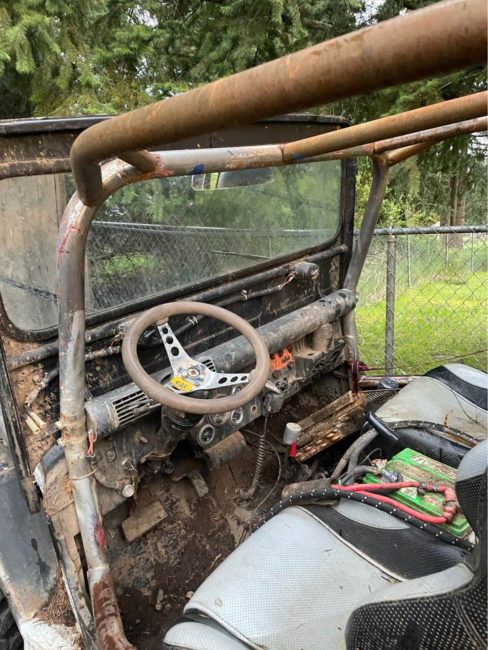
x=181, y=384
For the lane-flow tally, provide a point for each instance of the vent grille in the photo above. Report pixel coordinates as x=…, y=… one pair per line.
x=298, y=346
x=209, y=363
x=131, y=407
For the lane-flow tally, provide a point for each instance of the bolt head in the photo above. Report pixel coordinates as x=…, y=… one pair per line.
x=128, y=490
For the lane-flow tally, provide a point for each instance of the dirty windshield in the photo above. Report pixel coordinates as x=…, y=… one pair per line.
x=161, y=235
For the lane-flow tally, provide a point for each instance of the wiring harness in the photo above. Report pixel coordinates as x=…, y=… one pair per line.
x=374, y=494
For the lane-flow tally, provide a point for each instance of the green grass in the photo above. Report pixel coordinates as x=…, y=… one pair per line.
x=434, y=321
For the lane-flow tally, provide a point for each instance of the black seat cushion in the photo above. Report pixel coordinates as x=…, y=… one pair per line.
x=399, y=548
x=474, y=393
x=431, y=444
x=451, y=621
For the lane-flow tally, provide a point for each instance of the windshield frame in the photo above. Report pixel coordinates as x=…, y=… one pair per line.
x=38, y=166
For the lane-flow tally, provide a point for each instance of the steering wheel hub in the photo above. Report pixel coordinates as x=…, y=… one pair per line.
x=188, y=377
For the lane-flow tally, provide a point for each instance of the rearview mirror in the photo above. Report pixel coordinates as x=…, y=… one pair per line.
x=229, y=180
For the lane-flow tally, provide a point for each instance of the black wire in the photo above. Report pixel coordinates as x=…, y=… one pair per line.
x=332, y=494
x=381, y=427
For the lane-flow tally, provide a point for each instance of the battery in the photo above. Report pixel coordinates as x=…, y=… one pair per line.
x=414, y=466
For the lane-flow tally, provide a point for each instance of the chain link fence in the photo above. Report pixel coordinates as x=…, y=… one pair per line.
x=423, y=299
x=131, y=260
x=422, y=293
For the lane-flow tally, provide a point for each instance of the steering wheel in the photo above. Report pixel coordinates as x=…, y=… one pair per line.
x=189, y=375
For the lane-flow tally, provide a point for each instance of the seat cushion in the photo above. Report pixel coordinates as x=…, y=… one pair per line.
x=291, y=585
x=470, y=383
x=445, y=610
x=434, y=400
x=453, y=396
x=402, y=550
x=195, y=635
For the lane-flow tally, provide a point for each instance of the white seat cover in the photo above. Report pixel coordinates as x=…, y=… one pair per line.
x=428, y=399
x=291, y=586
x=192, y=635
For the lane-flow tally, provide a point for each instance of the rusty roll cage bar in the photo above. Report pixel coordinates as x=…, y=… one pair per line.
x=437, y=39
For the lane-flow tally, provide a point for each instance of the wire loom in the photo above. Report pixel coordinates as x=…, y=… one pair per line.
x=332, y=493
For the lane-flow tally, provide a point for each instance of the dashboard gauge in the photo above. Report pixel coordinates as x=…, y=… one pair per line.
x=206, y=436
x=237, y=417
x=219, y=419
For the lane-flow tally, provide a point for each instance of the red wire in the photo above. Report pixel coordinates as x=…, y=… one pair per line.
x=429, y=519
x=360, y=487
x=371, y=490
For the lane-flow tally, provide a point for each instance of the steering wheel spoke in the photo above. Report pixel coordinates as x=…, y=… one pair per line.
x=223, y=379
x=190, y=375
x=174, y=349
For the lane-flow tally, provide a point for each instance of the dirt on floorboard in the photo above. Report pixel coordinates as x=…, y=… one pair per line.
x=156, y=574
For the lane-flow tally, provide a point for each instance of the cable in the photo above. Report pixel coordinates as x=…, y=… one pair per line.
x=428, y=519
x=329, y=493
x=357, y=472
x=247, y=528
x=344, y=478
x=274, y=486
x=361, y=443
x=449, y=508
x=381, y=427
x=352, y=454
x=248, y=494
x=373, y=487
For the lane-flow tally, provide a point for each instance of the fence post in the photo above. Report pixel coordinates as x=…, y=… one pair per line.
x=390, y=303
x=409, y=268
x=471, y=265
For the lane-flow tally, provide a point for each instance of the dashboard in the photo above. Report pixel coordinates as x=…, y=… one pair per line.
x=301, y=344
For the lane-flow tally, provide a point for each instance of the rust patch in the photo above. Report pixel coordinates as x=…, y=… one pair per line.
x=67, y=487
x=330, y=424
x=107, y=617
x=37, y=434
x=64, y=239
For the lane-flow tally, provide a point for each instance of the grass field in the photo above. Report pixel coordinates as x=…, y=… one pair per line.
x=442, y=316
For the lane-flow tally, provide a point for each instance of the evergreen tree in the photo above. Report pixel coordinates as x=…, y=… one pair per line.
x=102, y=56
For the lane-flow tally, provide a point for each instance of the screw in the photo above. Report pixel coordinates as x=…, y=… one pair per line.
x=110, y=455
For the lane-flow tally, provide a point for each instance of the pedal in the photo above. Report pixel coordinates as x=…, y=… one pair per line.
x=198, y=482
x=143, y=520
